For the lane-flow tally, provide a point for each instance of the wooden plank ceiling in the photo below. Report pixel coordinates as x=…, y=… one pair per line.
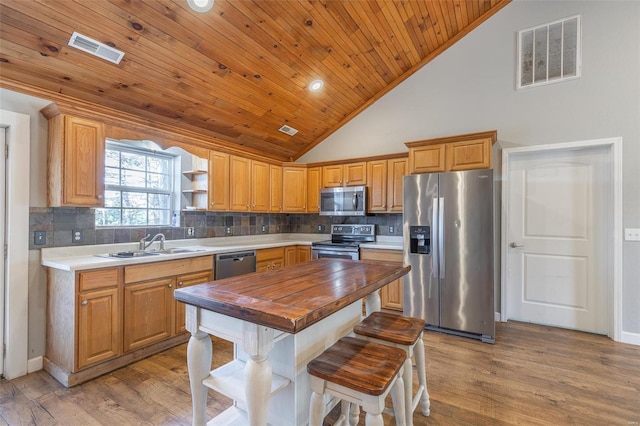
x=236, y=74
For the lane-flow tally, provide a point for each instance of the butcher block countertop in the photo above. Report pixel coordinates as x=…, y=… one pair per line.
x=294, y=297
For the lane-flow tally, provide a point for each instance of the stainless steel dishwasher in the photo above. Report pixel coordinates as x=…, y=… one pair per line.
x=234, y=264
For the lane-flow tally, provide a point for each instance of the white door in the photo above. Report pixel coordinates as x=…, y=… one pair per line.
x=3, y=176
x=557, y=222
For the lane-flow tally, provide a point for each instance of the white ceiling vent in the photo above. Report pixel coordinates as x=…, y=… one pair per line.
x=288, y=130
x=96, y=48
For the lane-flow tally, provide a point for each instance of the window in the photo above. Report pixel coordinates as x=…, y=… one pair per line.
x=549, y=53
x=138, y=187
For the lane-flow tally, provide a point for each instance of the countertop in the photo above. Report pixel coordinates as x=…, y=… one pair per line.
x=76, y=258
x=294, y=297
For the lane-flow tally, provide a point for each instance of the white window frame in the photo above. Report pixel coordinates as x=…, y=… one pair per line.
x=172, y=185
x=563, y=52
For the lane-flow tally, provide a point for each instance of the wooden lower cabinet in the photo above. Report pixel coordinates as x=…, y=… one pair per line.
x=103, y=319
x=183, y=281
x=391, y=295
x=147, y=312
x=296, y=254
x=268, y=259
x=99, y=334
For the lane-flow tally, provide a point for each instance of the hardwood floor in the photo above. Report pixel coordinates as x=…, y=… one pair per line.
x=533, y=375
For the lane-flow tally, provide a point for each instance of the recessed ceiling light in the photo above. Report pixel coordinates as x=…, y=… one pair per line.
x=316, y=85
x=200, y=5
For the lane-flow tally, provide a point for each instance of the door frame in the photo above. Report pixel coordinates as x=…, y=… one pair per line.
x=16, y=316
x=613, y=225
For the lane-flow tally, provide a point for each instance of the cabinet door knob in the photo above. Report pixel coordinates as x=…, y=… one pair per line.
x=170, y=286
x=213, y=203
x=85, y=303
x=180, y=284
x=100, y=197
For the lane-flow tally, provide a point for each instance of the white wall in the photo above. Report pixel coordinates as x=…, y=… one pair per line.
x=471, y=87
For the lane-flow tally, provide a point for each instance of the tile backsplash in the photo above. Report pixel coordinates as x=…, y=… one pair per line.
x=59, y=224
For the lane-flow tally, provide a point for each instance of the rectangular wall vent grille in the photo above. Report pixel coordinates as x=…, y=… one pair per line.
x=549, y=53
x=95, y=48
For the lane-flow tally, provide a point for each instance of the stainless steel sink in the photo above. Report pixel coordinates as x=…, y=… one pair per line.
x=153, y=252
x=179, y=250
x=133, y=253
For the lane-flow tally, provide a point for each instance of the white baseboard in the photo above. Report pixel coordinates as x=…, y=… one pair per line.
x=34, y=364
x=496, y=316
x=630, y=338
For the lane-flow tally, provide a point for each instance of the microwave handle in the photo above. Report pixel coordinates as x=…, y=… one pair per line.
x=355, y=201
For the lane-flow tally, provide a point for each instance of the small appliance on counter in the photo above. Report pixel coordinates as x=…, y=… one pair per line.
x=345, y=242
x=448, y=241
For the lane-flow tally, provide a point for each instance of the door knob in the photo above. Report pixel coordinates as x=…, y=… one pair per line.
x=514, y=245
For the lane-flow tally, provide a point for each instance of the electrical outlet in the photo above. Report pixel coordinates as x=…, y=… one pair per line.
x=632, y=234
x=191, y=231
x=391, y=230
x=228, y=231
x=264, y=228
x=320, y=228
x=39, y=238
x=76, y=236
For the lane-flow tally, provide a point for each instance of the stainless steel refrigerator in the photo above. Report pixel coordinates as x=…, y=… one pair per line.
x=448, y=241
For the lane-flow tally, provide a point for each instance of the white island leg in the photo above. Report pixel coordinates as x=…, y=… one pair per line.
x=199, y=353
x=257, y=342
x=372, y=302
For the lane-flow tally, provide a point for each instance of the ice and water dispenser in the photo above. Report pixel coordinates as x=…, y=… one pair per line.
x=420, y=239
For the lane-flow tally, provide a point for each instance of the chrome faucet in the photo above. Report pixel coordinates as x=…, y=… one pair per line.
x=144, y=243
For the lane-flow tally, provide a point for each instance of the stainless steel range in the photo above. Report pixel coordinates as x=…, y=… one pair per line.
x=345, y=242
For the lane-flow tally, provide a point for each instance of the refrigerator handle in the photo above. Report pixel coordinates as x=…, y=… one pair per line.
x=435, y=238
x=441, y=236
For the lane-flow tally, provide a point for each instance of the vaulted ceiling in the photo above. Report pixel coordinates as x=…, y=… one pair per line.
x=235, y=74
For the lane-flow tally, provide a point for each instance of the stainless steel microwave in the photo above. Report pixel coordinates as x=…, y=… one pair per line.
x=347, y=201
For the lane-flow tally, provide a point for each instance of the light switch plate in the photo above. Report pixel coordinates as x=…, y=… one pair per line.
x=632, y=234
x=39, y=238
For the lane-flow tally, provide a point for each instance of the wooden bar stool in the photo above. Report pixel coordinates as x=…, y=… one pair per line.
x=404, y=333
x=359, y=372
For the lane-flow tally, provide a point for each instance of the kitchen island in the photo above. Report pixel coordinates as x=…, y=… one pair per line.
x=279, y=321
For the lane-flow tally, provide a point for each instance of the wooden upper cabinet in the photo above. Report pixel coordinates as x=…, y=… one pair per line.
x=397, y=169
x=314, y=184
x=385, y=182
x=75, y=161
x=240, y=182
x=260, y=197
x=427, y=159
x=218, y=181
x=351, y=174
x=454, y=153
x=355, y=174
x=377, y=178
x=275, y=188
x=332, y=176
x=294, y=189
x=468, y=155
